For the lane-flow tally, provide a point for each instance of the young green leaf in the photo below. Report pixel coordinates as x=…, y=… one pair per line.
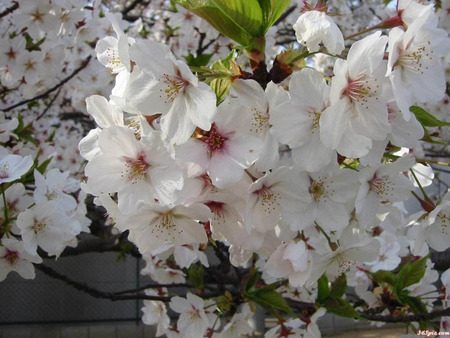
x=340, y=307
x=215, y=17
x=277, y=8
x=270, y=299
x=252, y=279
x=245, y=14
x=195, y=275
x=382, y=276
x=198, y=61
x=339, y=287
x=411, y=273
x=426, y=119
x=323, y=290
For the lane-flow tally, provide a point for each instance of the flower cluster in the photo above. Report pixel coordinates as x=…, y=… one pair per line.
x=301, y=173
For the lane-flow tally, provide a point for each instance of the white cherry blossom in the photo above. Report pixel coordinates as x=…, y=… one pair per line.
x=315, y=27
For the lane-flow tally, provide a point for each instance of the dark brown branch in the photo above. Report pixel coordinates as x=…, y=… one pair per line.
x=154, y=286
x=125, y=12
x=132, y=6
x=9, y=10
x=407, y=319
x=49, y=104
x=60, y=84
x=94, y=292
x=113, y=296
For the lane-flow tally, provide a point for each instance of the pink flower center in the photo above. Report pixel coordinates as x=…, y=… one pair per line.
x=216, y=207
x=175, y=86
x=11, y=257
x=4, y=170
x=136, y=169
x=268, y=199
x=381, y=187
x=360, y=90
x=216, y=141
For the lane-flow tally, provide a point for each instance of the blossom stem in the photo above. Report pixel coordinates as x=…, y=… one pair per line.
x=332, y=245
x=5, y=209
x=424, y=193
x=422, y=160
x=362, y=32
x=250, y=175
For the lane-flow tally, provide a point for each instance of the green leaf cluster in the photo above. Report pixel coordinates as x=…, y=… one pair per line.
x=242, y=21
x=409, y=273
x=267, y=296
x=331, y=298
x=25, y=132
x=220, y=76
x=196, y=276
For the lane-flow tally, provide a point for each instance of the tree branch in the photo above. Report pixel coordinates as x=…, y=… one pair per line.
x=9, y=10
x=113, y=296
x=407, y=319
x=49, y=104
x=94, y=292
x=60, y=84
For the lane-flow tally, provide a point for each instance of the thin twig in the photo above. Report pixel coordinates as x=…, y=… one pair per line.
x=49, y=104
x=94, y=292
x=113, y=296
x=60, y=84
x=9, y=10
x=407, y=319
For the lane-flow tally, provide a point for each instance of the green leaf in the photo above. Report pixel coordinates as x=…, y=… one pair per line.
x=431, y=139
x=411, y=273
x=252, y=279
x=25, y=132
x=198, y=61
x=339, y=287
x=382, y=276
x=277, y=8
x=247, y=14
x=323, y=290
x=221, y=87
x=270, y=299
x=215, y=17
x=426, y=119
x=225, y=302
x=416, y=304
x=195, y=276
x=43, y=166
x=340, y=307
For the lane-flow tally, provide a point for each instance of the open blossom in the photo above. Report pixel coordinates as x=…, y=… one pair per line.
x=315, y=27
x=224, y=152
x=415, y=58
x=255, y=106
x=45, y=225
x=167, y=86
x=155, y=312
x=14, y=257
x=193, y=320
x=296, y=121
x=380, y=186
x=437, y=225
x=113, y=52
x=325, y=198
x=151, y=226
x=13, y=166
x=290, y=260
x=359, y=92
x=139, y=170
